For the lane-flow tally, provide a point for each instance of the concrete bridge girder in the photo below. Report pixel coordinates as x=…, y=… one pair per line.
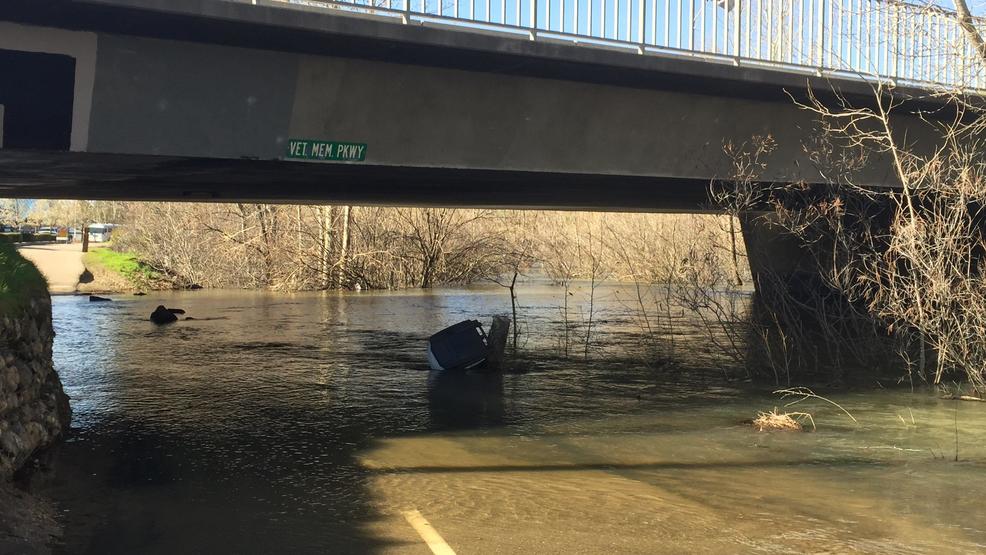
x=210, y=106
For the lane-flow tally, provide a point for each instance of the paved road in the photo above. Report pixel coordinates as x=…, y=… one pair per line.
x=60, y=263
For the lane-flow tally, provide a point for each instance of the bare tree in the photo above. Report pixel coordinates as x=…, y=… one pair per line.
x=903, y=261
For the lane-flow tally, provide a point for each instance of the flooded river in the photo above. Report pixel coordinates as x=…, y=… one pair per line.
x=309, y=423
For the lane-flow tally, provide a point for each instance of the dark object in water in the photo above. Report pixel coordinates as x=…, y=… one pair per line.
x=162, y=315
x=496, y=342
x=458, y=347
x=139, y=294
x=176, y=311
x=95, y=299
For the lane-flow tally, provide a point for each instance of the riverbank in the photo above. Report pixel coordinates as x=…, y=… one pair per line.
x=101, y=271
x=60, y=263
x=34, y=410
x=110, y=271
x=29, y=523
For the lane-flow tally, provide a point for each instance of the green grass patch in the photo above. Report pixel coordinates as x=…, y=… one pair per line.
x=124, y=263
x=20, y=281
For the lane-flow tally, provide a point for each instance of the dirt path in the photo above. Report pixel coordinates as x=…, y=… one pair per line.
x=60, y=263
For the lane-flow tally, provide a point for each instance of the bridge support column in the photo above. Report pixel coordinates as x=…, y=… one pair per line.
x=773, y=253
x=774, y=257
x=802, y=329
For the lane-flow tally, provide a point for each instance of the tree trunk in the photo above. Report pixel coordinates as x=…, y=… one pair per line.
x=325, y=262
x=297, y=220
x=732, y=237
x=565, y=316
x=265, y=253
x=513, y=306
x=966, y=22
x=344, y=243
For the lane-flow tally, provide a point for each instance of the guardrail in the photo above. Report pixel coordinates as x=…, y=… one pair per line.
x=865, y=39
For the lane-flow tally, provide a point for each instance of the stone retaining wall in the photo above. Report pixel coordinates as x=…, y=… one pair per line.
x=34, y=409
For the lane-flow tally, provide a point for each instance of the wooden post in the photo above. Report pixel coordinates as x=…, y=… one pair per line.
x=85, y=237
x=497, y=342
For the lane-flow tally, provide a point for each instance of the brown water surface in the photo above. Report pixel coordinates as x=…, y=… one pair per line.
x=308, y=423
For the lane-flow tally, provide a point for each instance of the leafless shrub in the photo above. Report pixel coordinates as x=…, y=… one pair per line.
x=899, y=264
x=802, y=394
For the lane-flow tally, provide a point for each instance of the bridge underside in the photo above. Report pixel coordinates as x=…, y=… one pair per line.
x=68, y=175
x=198, y=100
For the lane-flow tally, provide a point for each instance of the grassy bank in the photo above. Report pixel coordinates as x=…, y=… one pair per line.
x=118, y=271
x=20, y=281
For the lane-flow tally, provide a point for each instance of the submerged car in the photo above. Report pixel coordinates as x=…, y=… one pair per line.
x=458, y=347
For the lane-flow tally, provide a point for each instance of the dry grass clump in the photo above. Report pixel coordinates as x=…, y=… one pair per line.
x=781, y=421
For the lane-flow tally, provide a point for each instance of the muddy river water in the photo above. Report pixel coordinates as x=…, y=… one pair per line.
x=309, y=423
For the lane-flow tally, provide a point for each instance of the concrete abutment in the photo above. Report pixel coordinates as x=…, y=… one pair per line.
x=801, y=326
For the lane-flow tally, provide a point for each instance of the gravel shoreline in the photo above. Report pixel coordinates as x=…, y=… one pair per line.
x=28, y=523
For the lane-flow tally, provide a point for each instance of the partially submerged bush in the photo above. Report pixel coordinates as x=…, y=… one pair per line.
x=781, y=421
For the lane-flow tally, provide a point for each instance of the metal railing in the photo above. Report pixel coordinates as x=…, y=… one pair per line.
x=865, y=39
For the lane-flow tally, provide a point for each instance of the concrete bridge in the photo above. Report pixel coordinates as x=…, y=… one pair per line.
x=462, y=102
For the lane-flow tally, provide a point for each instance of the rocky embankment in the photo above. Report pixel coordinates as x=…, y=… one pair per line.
x=34, y=410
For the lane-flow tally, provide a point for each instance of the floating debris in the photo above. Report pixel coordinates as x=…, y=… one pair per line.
x=781, y=421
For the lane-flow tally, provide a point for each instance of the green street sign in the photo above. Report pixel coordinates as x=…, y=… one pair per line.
x=306, y=149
